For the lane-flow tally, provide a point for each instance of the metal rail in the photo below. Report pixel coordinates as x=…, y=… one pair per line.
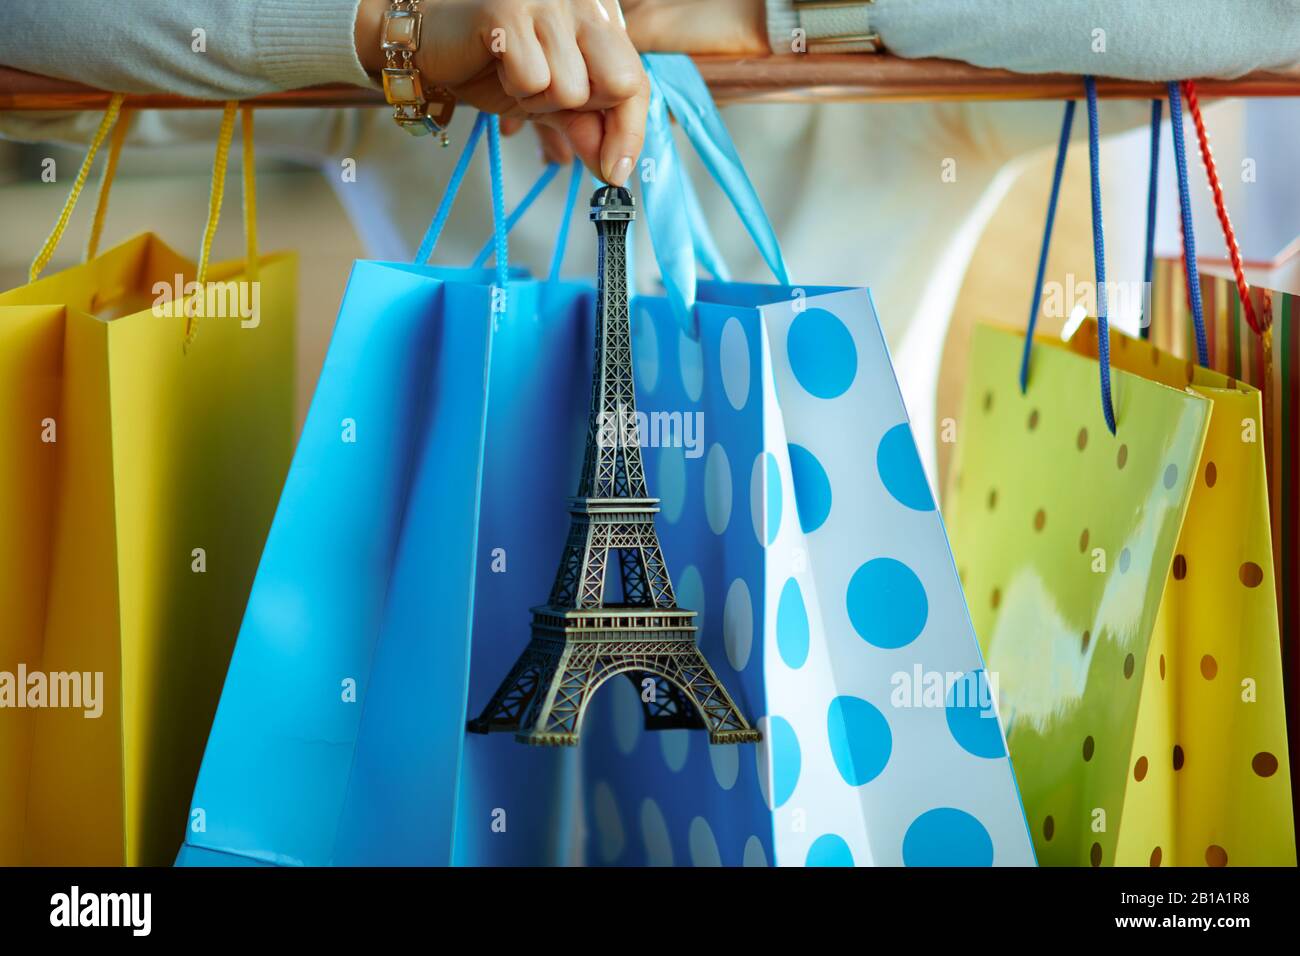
x=811, y=78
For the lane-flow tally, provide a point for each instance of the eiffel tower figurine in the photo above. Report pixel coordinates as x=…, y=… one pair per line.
x=579, y=639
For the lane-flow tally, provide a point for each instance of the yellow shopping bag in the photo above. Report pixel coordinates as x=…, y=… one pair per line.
x=1213, y=688
x=149, y=436
x=1121, y=588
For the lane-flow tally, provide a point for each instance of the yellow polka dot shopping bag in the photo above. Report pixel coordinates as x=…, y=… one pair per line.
x=143, y=448
x=1118, y=565
x=1252, y=334
x=798, y=523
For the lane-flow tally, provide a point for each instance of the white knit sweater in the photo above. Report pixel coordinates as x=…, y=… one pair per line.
x=255, y=46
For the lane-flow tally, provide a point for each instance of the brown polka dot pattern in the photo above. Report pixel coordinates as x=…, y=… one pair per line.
x=1162, y=667
x=1083, y=540
x=1033, y=419
x=1251, y=574
x=1089, y=746
x=1264, y=764
x=1211, y=474
x=1082, y=440
x=993, y=498
x=1121, y=458
x=1040, y=519
x=1156, y=856
x=1178, y=757
x=1180, y=567
x=1049, y=828
x=996, y=598
x=1209, y=667
x=1128, y=666
x=1140, y=769
x=1094, y=855
x=1216, y=855
x=1087, y=637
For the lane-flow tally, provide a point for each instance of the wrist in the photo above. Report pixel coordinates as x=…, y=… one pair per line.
x=367, y=34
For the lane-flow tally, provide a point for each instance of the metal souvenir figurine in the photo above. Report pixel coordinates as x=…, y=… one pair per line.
x=580, y=639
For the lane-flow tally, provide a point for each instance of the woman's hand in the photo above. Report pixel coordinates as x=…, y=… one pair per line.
x=567, y=64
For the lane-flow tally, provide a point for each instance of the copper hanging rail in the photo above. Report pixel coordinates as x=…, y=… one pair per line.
x=812, y=78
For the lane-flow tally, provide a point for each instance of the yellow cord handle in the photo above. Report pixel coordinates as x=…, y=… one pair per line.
x=116, y=121
x=215, y=196
x=52, y=241
x=106, y=182
x=250, y=195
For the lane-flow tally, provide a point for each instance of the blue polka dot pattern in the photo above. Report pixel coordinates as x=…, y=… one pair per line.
x=773, y=496
x=947, y=837
x=792, y=626
x=860, y=739
x=811, y=543
x=887, y=603
x=900, y=469
x=971, y=717
x=812, y=488
x=786, y=759
x=822, y=354
x=829, y=850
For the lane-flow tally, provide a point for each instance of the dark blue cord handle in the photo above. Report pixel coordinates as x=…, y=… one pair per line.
x=1189, y=241
x=1036, y=299
x=1149, y=264
x=1099, y=255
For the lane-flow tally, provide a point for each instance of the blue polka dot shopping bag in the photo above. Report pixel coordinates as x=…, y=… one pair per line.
x=797, y=521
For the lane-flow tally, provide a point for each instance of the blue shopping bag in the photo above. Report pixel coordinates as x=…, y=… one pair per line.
x=406, y=550
x=797, y=520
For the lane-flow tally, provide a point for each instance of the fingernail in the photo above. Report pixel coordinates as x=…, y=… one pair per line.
x=621, y=170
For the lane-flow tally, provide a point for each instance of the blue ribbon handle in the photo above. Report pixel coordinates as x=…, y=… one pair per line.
x=667, y=210
x=677, y=227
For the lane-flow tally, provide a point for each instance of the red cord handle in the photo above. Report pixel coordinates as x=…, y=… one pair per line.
x=1230, y=237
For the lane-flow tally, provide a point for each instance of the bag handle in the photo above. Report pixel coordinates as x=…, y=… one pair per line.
x=51, y=243
x=492, y=125
x=216, y=196
x=1221, y=208
x=1098, y=250
x=538, y=187
x=1153, y=182
x=106, y=180
x=1190, y=270
x=673, y=215
x=116, y=122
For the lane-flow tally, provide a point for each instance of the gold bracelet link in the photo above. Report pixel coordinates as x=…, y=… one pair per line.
x=403, y=85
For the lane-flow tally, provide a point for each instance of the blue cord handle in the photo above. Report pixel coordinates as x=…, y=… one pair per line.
x=562, y=240
x=1189, y=241
x=434, y=231
x=1036, y=298
x=498, y=206
x=1098, y=250
x=1149, y=264
x=517, y=213
x=1099, y=255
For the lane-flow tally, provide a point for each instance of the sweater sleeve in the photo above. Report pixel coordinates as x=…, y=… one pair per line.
x=207, y=49
x=1154, y=40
